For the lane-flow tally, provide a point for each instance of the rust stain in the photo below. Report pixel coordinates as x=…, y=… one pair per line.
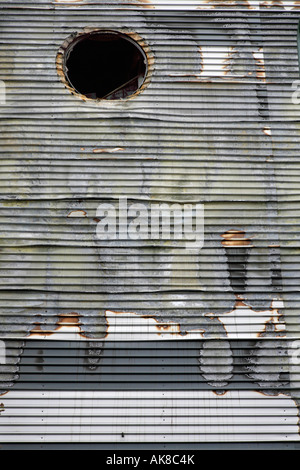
x=277, y=320
x=295, y=7
x=163, y=327
x=213, y=4
x=226, y=67
x=69, y=320
x=38, y=331
x=150, y=61
x=250, y=6
x=274, y=324
x=76, y=214
x=236, y=238
x=271, y=4
x=145, y=3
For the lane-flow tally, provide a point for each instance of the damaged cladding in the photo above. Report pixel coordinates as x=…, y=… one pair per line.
x=103, y=65
x=157, y=101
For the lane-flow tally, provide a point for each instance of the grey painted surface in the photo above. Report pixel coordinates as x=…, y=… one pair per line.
x=215, y=124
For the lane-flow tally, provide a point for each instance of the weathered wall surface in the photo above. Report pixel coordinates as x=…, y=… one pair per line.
x=96, y=330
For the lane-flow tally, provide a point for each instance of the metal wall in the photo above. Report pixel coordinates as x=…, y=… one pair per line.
x=127, y=341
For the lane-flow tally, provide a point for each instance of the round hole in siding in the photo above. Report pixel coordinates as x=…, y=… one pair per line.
x=105, y=65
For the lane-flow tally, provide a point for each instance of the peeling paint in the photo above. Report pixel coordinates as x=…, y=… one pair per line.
x=68, y=328
x=245, y=323
x=216, y=363
x=132, y=327
x=215, y=61
x=267, y=131
x=236, y=238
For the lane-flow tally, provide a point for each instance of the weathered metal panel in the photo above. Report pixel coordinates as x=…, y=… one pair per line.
x=140, y=340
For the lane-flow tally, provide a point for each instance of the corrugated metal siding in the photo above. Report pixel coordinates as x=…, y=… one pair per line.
x=140, y=342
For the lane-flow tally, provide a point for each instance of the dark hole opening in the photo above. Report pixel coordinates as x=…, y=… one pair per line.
x=105, y=66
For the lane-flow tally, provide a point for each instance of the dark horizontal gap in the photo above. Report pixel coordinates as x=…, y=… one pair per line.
x=145, y=369
x=45, y=116
x=181, y=165
x=137, y=271
x=81, y=258
x=287, y=291
x=52, y=378
x=143, y=257
x=288, y=309
x=171, y=354
x=133, y=399
x=11, y=400
x=266, y=216
x=129, y=284
x=144, y=407
x=211, y=33
x=138, y=432
x=196, y=18
x=96, y=124
x=151, y=361
x=234, y=10
x=193, y=138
